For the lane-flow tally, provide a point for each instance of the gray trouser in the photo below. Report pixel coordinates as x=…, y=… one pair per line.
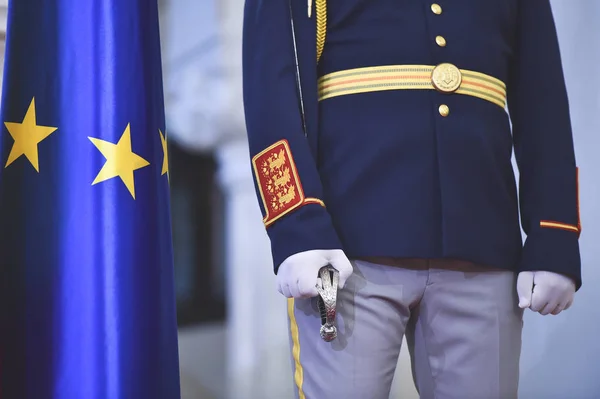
x=463, y=330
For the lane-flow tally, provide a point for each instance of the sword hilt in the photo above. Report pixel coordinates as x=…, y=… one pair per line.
x=327, y=302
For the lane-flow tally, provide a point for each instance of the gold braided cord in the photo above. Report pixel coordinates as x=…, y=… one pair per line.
x=321, y=9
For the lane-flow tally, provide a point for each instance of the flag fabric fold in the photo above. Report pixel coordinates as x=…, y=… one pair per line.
x=86, y=262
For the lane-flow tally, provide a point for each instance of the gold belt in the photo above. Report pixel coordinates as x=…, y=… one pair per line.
x=445, y=78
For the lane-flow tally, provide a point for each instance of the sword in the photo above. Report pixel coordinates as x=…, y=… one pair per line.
x=298, y=81
x=327, y=302
x=327, y=299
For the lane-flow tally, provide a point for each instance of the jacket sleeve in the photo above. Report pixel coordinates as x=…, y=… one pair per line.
x=285, y=174
x=543, y=142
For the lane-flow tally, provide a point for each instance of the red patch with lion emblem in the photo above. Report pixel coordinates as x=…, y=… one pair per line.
x=278, y=181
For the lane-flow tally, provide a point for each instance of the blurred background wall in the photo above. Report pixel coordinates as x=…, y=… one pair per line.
x=233, y=326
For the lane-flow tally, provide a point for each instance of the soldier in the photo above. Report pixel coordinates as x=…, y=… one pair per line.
x=381, y=136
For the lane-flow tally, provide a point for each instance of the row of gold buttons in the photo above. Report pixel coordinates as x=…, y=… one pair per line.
x=444, y=110
x=437, y=9
x=440, y=40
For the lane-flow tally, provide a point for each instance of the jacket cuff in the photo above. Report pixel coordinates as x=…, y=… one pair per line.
x=554, y=250
x=308, y=227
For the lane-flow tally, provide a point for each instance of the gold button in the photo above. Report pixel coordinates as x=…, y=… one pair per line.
x=436, y=8
x=440, y=41
x=444, y=110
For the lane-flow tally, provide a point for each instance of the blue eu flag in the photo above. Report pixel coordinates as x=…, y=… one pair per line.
x=86, y=284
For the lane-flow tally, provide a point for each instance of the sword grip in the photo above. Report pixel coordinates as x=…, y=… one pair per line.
x=326, y=302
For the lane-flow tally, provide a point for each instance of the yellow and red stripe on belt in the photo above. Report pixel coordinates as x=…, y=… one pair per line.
x=446, y=78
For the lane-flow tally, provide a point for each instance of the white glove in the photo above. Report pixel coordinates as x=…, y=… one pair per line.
x=298, y=274
x=552, y=292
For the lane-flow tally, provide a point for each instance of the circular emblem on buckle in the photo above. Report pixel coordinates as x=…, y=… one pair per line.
x=446, y=78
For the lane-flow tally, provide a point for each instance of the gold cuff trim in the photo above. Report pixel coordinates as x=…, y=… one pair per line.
x=413, y=77
x=558, y=225
x=314, y=201
x=566, y=226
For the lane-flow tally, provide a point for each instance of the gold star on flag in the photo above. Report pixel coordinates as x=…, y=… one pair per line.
x=121, y=161
x=27, y=135
x=165, y=165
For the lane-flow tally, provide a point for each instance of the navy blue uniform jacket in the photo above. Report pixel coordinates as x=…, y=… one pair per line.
x=374, y=149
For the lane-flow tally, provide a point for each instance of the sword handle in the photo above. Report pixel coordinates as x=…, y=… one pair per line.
x=327, y=302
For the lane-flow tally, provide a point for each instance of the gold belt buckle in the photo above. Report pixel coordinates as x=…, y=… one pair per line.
x=446, y=78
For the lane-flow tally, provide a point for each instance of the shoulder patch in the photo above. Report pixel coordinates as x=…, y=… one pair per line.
x=278, y=181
